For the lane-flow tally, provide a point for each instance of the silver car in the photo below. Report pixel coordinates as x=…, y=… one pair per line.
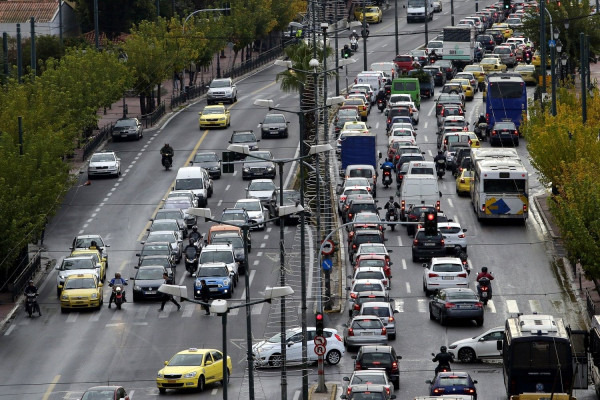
x=364, y=330
x=255, y=210
x=104, y=163
x=385, y=312
x=507, y=55
x=261, y=189
x=167, y=236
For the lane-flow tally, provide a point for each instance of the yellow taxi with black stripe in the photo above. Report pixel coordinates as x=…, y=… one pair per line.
x=527, y=72
x=216, y=116
x=467, y=88
x=363, y=109
x=473, y=139
x=536, y=59
x=81, y=291
x=372, y=14
x=193, y=369
x=95, y=255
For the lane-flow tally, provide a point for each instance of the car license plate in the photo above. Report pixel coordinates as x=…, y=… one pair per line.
x=429, y=244
x=484, y=295
x=214, y=289
x=171, y=381
x=449, y=278
x=464, y=306
x=367, y=334
x=123, y=135
x=150, y=292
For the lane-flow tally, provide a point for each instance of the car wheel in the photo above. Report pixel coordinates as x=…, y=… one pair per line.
x=479, y=321
x=230, y=294
x=275, y=360
x=443, y=320
x=427, y=292
x=162, y=390
x=58, y=293
x=201, y=384
x=392, y=336
x=431, y=316
x=414, y=258
x=333, y=357
x=396, y=383
x=467, y=355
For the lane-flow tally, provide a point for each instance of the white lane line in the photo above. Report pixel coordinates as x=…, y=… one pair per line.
x=116, y=317
x=425, y=138
x=188, y=310
x=89, y=220
x=263, y=245
x=408, y=287
x=165, y=313
x=259, y=254
x=139, y=324
x=399, y=305
x=255, y=262
x=117, y=184
x=115, y=324
x=81, y=232
x=9, y=330
x=94, y=215
x=85, y=225
x=383, y=45
x=512, y=306
x=266, y=237
x=95, y=317
x=142, y=312
x=97, y=209
x=269, y=230
x=113, y=189
x=399, y=241
x=219, y=203
x=105, y=200
x=491, y=307
x=72, y=317
x=426, y=124
x=108, y=194
x=133, y=162
x=227, y=187
x=430, y=112
x=251, y=277
x=422, y=305
x=403, y=263
x=535, y=306
x=257, y=309
x=450, y=203
x=377, y=125
x=234, y=173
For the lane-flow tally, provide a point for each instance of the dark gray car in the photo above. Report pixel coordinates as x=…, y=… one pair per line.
x=274, y=125
x=244, y=138
x=456, y=303
x=257, y=167
x=127, y=128
x=209, y=160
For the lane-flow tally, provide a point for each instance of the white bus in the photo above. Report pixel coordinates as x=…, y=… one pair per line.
x=500, y=189
x=481, y=153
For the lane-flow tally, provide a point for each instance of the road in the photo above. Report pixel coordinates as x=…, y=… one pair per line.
x=59, y=355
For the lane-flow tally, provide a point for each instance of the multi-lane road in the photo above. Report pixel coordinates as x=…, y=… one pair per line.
x=59, y=355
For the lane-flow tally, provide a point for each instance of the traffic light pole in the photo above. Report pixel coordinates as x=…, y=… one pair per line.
x=321, y=387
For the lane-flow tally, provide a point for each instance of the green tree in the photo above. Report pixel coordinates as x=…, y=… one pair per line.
x=114, y=16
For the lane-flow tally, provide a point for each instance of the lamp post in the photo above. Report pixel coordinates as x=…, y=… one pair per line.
x=556, y=47
x=544, y=10
x=396, y=26
x=222, y=307
x=564, y=59
x=314, y=150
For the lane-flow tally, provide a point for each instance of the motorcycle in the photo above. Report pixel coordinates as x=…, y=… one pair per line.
x=527, y=58
x=481, y=130
x=483, y=288
x=440, y=167
x=167, y=161
x=381, y=105
x=392, y=215
x=191, y=260
x=464, y=259
x=441, y=367
x=31, y=304
x=354, y=44
x=119, y=293
x=386, y=178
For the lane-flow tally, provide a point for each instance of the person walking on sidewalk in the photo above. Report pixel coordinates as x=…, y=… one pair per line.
x=205, y=296
x=168, y=297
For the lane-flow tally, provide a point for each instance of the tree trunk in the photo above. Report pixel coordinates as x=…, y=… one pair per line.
x=143, y=104
x=158, y=95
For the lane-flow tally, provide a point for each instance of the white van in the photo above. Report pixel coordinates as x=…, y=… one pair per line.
x=417, y=190
x=375, y=78
x=421, y=168
x=197, y=180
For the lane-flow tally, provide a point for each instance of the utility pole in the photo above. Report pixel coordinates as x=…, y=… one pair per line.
x=33, y=51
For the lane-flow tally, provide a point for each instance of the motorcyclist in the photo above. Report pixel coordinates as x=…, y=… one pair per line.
x=527, y=55
x=388, y=164
x=484, y=274
x=167, y=152
x=191, y=252
x=380, y=97
x=443, y=358
x=31, y=288
x=482, y=119
x=353, y=35
x=432, y=57
x=191, y=247
x=440, y=156
x=195, y=235
x=391, y=204
x=117, y=280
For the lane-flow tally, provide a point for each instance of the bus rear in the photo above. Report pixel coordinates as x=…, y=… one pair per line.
x=506, y=99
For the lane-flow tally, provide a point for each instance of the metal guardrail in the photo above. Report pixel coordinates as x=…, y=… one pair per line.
x=153, y=117
x=189, y=93
x=95, y=140
x=18, y=284
x=254, y=63
x=589, y=303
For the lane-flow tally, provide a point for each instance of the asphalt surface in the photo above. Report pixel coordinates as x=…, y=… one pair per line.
x=82, y=349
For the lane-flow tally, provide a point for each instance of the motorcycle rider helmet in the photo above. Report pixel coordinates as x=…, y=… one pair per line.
x=443, y=349
x=483, y=269
x=353, y=30
x=391, y=198
x=31, y=281
x=191, y=242
x=195, y=228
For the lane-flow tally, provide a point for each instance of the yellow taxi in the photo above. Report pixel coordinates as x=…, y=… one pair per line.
x=363, y=109
x=467, y=88
x=536, y=59
x=527, y=72
x=216, y=116
x=81, y=291
x=490, y=64
x=356, y=127
x=95, y=254
x=505, y=29
x=372, y=14
x=473, y=139
x=192, y=369
x=463, y=182
x=477, y=71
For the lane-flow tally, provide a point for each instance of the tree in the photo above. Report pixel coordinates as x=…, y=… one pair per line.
x=114, y=16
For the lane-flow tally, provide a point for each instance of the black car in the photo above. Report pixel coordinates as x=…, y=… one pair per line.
x=160, y=260
x=461, y=153
x=209, y=160
x=274, y=125
x=146, y=282
x=244, y=138
x=426, y=82
x=255, y=167
x=439, y=75
x=155, y=249
x=448, y=67
x=487, y=41
x=497, y=34
x=379, y=357
x=504, y=131
x=290, y=198
x=358, y=205
x=126, y=128
x=427, y=246
x=364, y=236
x=398, y=111
x=448, y=98
x=414, y=215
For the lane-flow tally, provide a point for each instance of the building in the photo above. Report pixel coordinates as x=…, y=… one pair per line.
x=45, y=14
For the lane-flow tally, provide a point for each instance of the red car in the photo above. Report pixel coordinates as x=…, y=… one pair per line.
x=375, y=260
x=405, y=62
x=105, y=393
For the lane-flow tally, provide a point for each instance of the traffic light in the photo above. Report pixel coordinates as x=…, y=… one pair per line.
x=507, y=4
x=319, y=324
x=228, y=158
x=430, y=223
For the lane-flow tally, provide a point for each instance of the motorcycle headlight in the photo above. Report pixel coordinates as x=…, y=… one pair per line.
x=190, y=374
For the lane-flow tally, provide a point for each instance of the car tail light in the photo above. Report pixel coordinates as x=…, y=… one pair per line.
x=387, y=390
x=432, y=275
x=511, y=54
x=483, y=208
x=438, y=390
x=383, y=331
x=442, y=242
x=338, y=337
x=350, y=215
x=369, y=189
x=524, y=208
x=349, y=390
x=469, y=390
x=354, y=246
x=390, y=319
x=357, y=366
x=462, y=180
x=462, y=275
x=494, y=133
x=415, y=242
x=356, y=307
x=343, y=198
x=394, y=366
x=385, y=282
x=515, y=132
x=461, y=235
x=350, y=332
x=479, y=304
x=449, y=305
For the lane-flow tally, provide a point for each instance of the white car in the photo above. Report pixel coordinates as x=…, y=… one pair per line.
x=372, y=248
x=443, y=273
x=255, y=210
x=478, y=347
x=370, y=273
x=75, y=265
x=261, y=189
x=104, y=163
x=351, y=190
x=411, y=104
x=454, y=235
x=367, y=376
x=268, y=352
x=84, y=242
x=402, y=135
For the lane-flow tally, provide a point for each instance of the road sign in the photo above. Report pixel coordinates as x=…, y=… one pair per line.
x=319, y=341
x=327, y=264
x=328, y=247
x=552, y=43
x=320, y=350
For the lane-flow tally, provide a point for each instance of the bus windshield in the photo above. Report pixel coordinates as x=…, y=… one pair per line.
x=504, y=185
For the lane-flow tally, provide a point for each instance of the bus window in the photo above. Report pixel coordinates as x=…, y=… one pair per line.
x=506, y=90
x=504, y=185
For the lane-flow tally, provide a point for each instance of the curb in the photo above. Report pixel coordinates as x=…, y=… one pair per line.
x=331, y=391
x=544, y=218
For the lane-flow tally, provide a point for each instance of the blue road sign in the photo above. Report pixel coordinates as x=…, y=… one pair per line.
x=551, y=43
x=327, y=264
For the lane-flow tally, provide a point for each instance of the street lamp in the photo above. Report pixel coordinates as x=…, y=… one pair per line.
x=555, y=46
x=222, y=307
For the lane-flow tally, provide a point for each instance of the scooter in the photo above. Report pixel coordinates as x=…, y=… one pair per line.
x=483, y=288
x=354, y=45
x=481, y=131
x=527, y=58
x=31, y=304
x=381, y=105
x=167, y=161
x=119, y=292
x=191, y=260
x=386, y=178
x=440, y=167
x=392, y=215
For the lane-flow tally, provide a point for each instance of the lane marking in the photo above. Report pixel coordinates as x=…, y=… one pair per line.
x=422, y=305
x=512, y=306
x=399, y=241
x=450, y=203
x=259, y=254
x=9, y=330
x=51, y=387
x=408, y=287
x=403, y=263
x=491, y=306
x=399, y=305
x=535, y=306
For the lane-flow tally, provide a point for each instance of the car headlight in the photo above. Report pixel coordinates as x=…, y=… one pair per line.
x=159, y=374
x=191, y=374
x=94, y=295
x=226, y=282
x=136, y=287
x=452, y=346
x=246, y=169
x=64, y=297
x=270, y=168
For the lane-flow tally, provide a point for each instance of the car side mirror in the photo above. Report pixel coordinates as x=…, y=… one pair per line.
x=474, y=382
x=346, y=379
x=131, y=277
x=258, y=140
x=428, y=381
x=424, y=265
x=57, y=268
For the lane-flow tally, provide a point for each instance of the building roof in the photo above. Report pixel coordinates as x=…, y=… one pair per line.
x=19, y=11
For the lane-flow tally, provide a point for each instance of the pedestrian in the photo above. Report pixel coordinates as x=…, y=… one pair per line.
x=168, y=297
x=176, y=80
x=205, y=296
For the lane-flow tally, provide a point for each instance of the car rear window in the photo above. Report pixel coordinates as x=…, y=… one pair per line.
x=367, y=287
x=371, y=263
x=382, y=359
x=363, y=207
x=422, y=171
x=447, y=267
x=449, y=229
x=368, y=275
x=364, y=173
x=377, y=311
x=461, y=296
x=453, y=381
x=366, y=323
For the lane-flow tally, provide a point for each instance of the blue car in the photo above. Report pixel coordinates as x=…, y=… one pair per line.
x=452, y=383
x=217, y=277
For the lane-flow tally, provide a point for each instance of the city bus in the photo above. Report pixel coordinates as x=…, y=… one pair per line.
x=500, y=189
x=506, y=99
x=537, y=355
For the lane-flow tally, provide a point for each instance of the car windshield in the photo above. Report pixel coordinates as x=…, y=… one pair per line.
x=376, y=311
x=504, y=126
x=214, y=110
x=179, y=203
x=369, y=248
x=447, y=267
x=80, y=283
x=84, y=243
x=260, y=186
x=249, y=205
x=188, y=184
x=359, y=172
x=213, y=271
x=125, y=123
x=357, y=182
x=149, y=273
x=102, y=158
x=205, y=157
x=371, y=9
x=151, y=250
x=261, y=154
x=235, y=241
x=186, y=360
x=161, y=237
x=81, y=263
x=103, y=394
x=366, y=217
x=351, y=125
x=274, y=119
x=243, y=138
x=216, y=256
x=219, y=83
x=368, y=275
